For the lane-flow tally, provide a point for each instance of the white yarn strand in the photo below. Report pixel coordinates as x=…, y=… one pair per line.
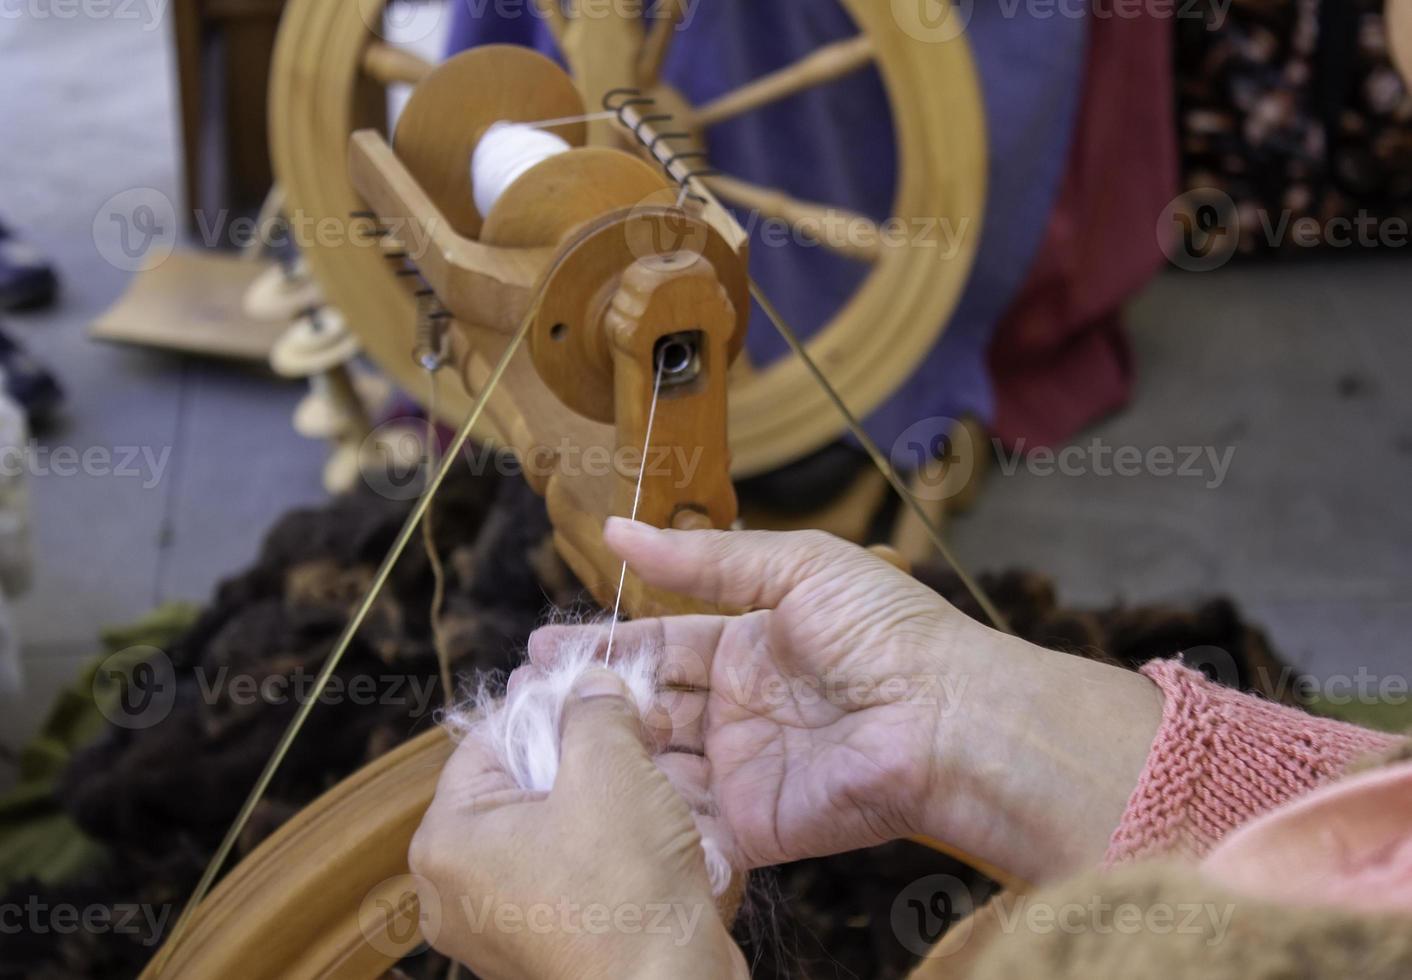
x=636, y=499
x=570, y=120
x=504, y=154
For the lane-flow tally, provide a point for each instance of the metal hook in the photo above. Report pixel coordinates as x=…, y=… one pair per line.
x=608, y=96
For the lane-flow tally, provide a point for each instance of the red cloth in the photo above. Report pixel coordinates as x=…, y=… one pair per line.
x=1059, y=358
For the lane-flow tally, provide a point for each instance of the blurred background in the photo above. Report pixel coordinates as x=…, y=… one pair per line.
x=1178, y=367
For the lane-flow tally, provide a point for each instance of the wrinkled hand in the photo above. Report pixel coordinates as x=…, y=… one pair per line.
x=855, y=706
x=602, y=877
x=823, y=712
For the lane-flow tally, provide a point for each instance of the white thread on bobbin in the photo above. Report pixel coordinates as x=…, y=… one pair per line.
x=504, y=154
x=524, y=726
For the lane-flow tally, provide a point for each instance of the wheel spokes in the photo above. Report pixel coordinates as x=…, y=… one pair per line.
x=833, y=61
x=658, y=44
x=390, y=65
x=883, y=464
x=848, y=233
x=602, y=50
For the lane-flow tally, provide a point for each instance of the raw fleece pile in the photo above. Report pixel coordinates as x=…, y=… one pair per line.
x=157, y=800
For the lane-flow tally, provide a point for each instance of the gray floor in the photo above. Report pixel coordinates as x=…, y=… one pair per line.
x=1298, y=373
x=87, y=110
x=1297, y=369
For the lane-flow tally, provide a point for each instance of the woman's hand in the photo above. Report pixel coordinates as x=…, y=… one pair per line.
x=602, y=877
x=856, y=706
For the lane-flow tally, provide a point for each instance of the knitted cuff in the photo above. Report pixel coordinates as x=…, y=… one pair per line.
x=1221, y=758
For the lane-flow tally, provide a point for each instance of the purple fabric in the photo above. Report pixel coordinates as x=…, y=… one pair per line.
x=835, y=144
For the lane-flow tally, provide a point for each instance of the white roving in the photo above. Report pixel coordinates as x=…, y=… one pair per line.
x=524, y=725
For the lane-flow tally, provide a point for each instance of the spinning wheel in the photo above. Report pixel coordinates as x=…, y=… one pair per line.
x=600, y=302
x=328, y=81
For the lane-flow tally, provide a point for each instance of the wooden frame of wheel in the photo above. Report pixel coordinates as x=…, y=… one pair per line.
x=320, y=95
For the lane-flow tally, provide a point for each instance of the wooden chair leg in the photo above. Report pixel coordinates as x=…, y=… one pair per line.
x=249, y=48
x=186, y=19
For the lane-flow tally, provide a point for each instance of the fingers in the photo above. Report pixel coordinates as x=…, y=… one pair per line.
x=607, y=772
x=602, y=749
x=690, y=776
x=474, y=779
x=749, y=569
x=682, y=647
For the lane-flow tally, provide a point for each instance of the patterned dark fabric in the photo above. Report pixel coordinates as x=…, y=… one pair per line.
x=1294, y=109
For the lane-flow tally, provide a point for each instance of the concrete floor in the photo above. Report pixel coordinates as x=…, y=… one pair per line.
x=1297, y=371
x=1296, y=368
x=87, y=110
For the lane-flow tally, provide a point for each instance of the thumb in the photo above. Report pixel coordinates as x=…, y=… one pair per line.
x=601, y=734
x=750, y=569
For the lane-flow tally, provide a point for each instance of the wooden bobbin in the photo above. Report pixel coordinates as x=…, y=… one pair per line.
x=450, y=110
x=566, y=191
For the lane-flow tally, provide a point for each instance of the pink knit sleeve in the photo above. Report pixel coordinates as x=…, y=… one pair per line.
x=1222, y=757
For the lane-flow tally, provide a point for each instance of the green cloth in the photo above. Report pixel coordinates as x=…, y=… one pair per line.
x=1384, y=716
x=37, y=839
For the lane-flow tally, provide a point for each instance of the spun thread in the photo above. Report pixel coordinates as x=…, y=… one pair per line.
x=504, y=154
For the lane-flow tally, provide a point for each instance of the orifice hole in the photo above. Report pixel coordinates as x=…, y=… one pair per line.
x=678, y=357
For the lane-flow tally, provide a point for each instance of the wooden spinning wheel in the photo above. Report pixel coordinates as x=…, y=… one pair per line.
x=328, y=80
x=606, y=262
